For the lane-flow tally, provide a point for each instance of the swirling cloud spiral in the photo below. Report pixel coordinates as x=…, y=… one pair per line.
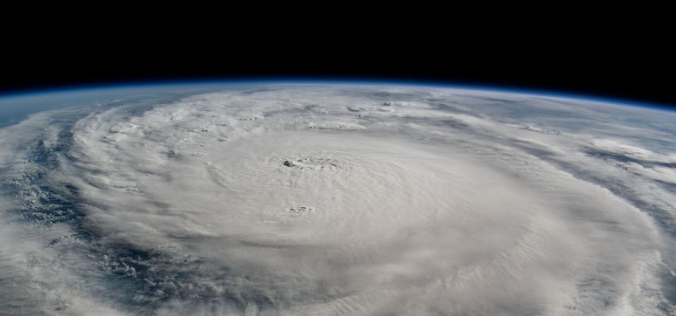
x=339, y=200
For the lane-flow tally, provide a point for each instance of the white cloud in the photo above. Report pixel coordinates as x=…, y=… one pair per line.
x=290, y=201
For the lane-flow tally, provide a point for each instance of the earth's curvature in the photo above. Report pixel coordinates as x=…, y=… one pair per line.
x=334, y=199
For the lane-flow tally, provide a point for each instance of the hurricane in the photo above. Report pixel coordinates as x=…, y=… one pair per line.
x=336, y=199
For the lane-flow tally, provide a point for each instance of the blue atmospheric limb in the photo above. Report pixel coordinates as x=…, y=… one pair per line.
x=215, y=83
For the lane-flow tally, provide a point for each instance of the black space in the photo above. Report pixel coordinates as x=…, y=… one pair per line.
x=639, y=71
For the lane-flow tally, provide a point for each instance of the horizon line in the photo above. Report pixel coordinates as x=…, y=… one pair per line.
x=28, y=92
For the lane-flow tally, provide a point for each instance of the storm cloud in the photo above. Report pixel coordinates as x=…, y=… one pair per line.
x=340, y=200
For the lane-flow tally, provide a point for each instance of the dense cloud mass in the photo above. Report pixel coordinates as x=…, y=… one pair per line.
x=339, y=200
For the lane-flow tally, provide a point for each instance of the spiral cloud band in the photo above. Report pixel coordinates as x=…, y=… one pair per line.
x=339, y=200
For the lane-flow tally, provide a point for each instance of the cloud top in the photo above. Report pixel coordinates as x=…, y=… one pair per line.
x=331, y=200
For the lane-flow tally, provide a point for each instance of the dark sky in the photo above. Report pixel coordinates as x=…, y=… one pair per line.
x=638, y=71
